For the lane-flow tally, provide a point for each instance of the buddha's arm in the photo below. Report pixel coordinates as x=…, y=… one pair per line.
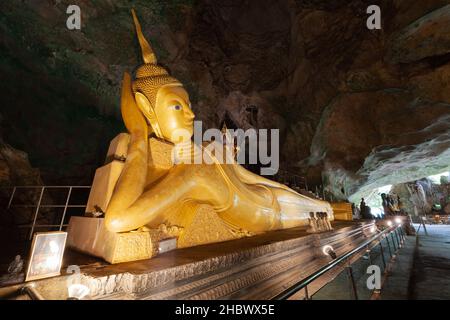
x=133, y=177
x=131, y=183
x=252, y=178
x=148, y=209
x=181, y=186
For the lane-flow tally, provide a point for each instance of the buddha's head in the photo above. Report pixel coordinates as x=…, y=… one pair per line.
x=160, y=97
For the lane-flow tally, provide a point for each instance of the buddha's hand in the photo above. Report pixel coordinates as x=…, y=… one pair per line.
x=132, y=117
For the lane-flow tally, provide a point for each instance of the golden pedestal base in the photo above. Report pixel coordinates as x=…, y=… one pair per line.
x=89, y=235
x=250, y=269
x=202, y=225
x=198, y=225
x=342, y=211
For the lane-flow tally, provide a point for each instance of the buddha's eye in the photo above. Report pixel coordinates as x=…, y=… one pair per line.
x=177, y=107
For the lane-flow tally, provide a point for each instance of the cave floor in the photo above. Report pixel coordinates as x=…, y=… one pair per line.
x=431, y=268
x=422, y=268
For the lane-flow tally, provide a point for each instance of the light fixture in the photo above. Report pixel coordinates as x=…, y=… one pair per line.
x=389, y=223
x=329, y=251
x=373, y=229
x=398, y=220
x=77, y=291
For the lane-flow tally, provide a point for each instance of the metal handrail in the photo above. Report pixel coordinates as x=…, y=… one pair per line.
x=31, y=291
x=309, y=279
x=38, y=186
x=39, y=204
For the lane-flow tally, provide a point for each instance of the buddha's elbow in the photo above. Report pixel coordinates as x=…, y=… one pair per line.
x=114, y=223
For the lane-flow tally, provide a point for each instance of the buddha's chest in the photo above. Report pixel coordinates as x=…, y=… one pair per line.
x=159, y=159
x=160, y=154
x=160, y=162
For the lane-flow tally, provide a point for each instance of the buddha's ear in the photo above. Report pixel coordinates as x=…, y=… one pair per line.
x=144, y=104
x=148, y=111
x=133, y=118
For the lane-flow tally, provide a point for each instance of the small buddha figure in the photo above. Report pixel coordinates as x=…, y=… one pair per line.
x=320, y=222
x=387, y=208
x=155, y=106
x=324, y=221
x=16, y=266
x=365, y=210
x=362, y=207
x=312, y=223
x=327, y=221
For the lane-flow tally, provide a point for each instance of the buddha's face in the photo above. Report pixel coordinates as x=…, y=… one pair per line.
x=171, y=118
x=173, y=113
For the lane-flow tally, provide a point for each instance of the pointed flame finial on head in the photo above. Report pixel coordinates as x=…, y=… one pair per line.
x=147, y=53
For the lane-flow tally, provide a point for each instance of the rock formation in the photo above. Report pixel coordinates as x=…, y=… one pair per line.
x=419, y=203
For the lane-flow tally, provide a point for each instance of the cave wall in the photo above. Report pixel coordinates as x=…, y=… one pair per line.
x=420, y=202
x=356, y=108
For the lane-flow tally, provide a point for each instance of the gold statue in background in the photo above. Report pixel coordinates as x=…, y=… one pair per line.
x=197, y=203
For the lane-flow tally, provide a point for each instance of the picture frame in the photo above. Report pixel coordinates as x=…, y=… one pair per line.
x=46, y=253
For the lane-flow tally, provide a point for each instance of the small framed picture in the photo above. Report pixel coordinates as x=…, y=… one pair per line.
x=46, y=255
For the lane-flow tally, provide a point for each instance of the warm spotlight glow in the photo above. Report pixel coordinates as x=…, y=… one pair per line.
x=52, y=262
x=398, y=221
x=54, y=248
x=78, y=291
x=373, y=229
x=389, y=223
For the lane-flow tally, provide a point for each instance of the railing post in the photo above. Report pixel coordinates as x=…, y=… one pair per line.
x=352, y=282
x=398, y=238
x=368, y=255
x=382, y=255
x=306, y=293
x=389, y=245
x=65, y=208
x=36, y=213
x=11, y=198
x=394, y=242
x=403, y=234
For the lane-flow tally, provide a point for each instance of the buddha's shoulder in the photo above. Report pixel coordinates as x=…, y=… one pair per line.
x=118, y=146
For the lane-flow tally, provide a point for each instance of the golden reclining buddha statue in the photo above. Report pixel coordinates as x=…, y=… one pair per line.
x=232, y=202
